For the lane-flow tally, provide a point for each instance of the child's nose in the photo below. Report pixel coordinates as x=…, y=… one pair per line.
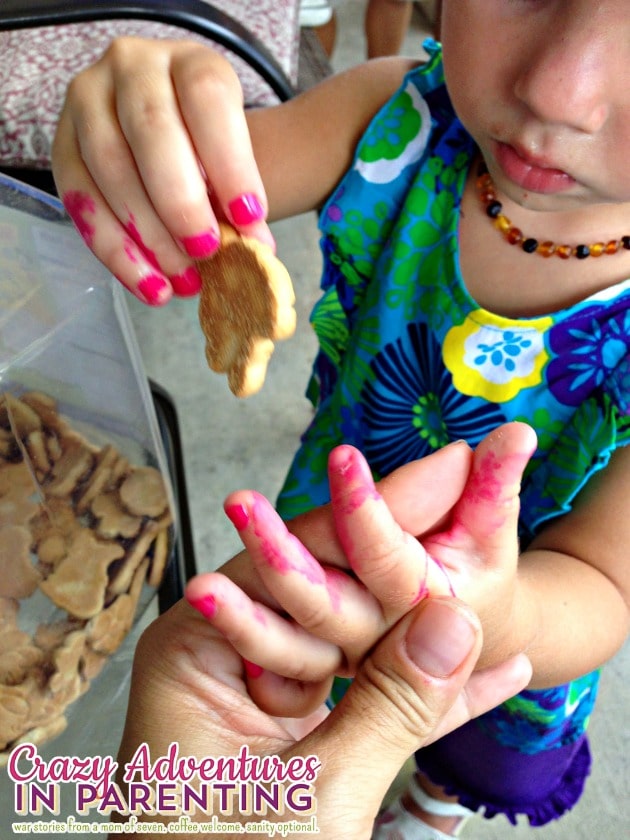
x=570, y=78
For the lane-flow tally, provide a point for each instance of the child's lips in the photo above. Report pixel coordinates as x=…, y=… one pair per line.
x=532, y=174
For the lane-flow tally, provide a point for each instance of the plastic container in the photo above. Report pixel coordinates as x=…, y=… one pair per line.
x=86, y=511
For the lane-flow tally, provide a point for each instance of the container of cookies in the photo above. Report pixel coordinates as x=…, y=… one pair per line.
x=86, y=512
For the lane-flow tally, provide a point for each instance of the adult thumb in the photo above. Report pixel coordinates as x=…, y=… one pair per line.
x=412, y=689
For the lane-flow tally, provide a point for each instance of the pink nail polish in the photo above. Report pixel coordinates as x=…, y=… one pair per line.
x=78, y=206
x=252, y=670
x=154, y=290
x=238, y=516
x=202, y=245
x=246, y=209
x=188, y=283
x=207, y=605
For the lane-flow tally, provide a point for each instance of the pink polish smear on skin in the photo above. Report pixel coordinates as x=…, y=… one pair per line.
x=300, y=561
x=355, y=474
x=265, y=522
x=78, y=205
x=490, y=484
x=134, y=233
x=130, y=250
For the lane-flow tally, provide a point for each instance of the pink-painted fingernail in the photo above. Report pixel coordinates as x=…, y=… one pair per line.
x=246, y=209
x=207, y=605
x=252, y=670
x=188, y=283
x=154, y=290
x=238, y=516
x=202, y=245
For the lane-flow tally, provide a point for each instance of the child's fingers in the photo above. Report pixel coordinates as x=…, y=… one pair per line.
x=123, y=145
x=420, y=495
x=485, y=519
x=92, y=158
x=324, y=601
x=213, y=113
x=390, y=562
x=259, y=634
x=180, y=108
x=138, y=271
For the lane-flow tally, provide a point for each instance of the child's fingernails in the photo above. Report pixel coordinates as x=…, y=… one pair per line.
x=154, y=290
x=238, y=516
x=188, y=283
x=439, y=639
x=252, y=670
x=246, y=209
x=206, y=605
x=202, y=245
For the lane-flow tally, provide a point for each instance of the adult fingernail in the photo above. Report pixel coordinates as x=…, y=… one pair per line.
x=188, y=283
x=154, y=290
x=202, y=245
x=246, y=209
x=439, y=638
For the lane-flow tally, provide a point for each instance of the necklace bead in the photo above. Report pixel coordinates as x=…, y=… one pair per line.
x=494, y=210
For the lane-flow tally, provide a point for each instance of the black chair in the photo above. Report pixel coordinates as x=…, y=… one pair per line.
x=193, y=15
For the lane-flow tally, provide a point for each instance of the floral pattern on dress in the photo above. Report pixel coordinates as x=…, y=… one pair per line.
x=408, y=361
x=398, y=140
x=494, y=357
x=554, y=717
x=589, y=348
x=411, y=407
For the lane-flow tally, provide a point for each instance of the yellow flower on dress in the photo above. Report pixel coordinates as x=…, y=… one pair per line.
x=494, y=357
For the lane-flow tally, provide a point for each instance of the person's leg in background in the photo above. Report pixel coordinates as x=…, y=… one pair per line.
x=319, y=15
x=386, y=24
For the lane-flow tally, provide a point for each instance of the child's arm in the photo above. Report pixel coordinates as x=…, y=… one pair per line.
x=573, y=605
x=337, y=617
x=153, y=145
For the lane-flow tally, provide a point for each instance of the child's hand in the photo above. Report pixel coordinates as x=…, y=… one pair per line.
x=146, y=134
x=338, y=617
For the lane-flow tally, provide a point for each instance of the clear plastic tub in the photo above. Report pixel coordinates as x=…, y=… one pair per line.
x=86, y=511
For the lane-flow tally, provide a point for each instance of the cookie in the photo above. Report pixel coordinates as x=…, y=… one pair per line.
x=84, y=527
x=246, y=304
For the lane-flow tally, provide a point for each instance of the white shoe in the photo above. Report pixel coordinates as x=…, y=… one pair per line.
x=315, y=12
x=396, y=823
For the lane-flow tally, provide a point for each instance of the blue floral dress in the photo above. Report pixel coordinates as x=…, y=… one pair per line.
x=408, y=362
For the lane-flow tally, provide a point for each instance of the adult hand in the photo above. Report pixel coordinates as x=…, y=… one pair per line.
x=287, y=606
x=190, y=686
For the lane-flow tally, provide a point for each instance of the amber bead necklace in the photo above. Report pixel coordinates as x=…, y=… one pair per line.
x=494, y=209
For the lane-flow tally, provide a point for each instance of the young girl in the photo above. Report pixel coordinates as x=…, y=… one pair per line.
x=476, y=235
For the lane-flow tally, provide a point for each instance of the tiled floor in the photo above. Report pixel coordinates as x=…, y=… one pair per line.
x=231, y=444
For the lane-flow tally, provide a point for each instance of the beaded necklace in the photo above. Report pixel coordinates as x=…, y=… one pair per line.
x=494, y=209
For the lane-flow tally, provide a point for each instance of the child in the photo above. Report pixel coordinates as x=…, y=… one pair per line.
x=440, y=318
